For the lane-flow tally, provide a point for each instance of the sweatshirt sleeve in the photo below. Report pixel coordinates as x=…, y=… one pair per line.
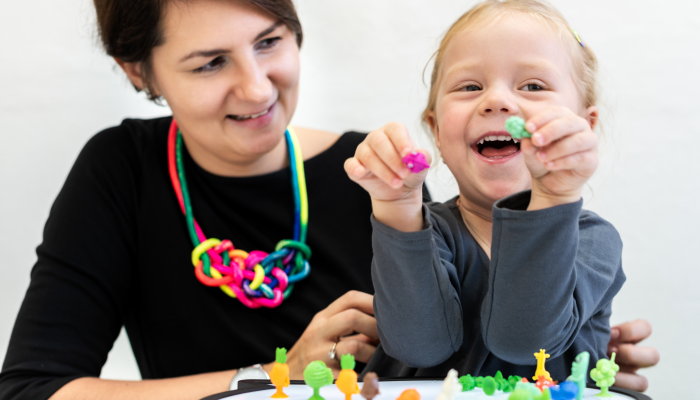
x=416, y=286
x=73, y=309
x=551, y=272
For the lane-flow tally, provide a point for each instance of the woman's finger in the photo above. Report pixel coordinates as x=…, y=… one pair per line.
x=637, y=356
x=559, y=128
x=352, y=299
x=355, y=170
x=630, y=332
x=572, y=144
x=584, y=161
x=360, y=349
x=631, y=381
x=351, y=321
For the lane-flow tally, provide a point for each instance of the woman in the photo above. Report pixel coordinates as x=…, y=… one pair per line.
x=116, y=249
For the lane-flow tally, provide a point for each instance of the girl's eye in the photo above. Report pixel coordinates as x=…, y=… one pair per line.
x=212, y=65
x=267, y=43
x=470, y=88
x=532, y=87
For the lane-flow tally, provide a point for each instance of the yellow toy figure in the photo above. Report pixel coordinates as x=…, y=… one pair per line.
x=541, y=356
x=279, y=376
x=347, y=379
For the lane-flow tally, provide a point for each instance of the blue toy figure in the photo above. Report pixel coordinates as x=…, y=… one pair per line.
x=565, y=391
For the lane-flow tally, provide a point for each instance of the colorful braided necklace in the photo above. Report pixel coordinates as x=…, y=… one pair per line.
x=257, y=279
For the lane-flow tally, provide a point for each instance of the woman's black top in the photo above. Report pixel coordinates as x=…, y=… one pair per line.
x=116, y=253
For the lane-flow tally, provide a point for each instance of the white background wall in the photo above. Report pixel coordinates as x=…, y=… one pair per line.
x=361, y=67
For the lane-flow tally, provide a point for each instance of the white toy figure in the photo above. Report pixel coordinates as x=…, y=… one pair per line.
x=450, y=387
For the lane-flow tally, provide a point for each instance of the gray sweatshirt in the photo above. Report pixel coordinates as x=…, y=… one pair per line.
x=440, y=303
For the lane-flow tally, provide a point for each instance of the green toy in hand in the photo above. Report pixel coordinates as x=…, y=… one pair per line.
x=516, y=127
x=317, y=375
x=604, y=375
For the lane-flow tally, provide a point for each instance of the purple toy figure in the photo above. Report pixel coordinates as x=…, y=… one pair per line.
x=415, y=162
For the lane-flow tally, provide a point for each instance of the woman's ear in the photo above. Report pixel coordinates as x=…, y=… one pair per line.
x=592, y=116
x=432, y=121
x=133, y=71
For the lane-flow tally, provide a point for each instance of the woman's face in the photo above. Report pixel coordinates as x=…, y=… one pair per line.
x=230, y=74
x=511, y=67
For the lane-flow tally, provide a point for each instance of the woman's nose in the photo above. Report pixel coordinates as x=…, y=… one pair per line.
x=252, y=83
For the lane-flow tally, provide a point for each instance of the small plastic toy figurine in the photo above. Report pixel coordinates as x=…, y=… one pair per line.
x=450, y=387
x=489, y=386
x=604, y=375
x=516, y=127
x=579, y=369
x=347, y=379
x=317, y=375
x=370, y=386
x=541, y=356
x=468, y=383
x=279, y=376
x=409, y=394
x=415, y=162
x=528, y=391
x=543, y=383
x=565, y=391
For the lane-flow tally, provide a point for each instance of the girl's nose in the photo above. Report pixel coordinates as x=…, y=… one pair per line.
x=498, y=101
x=252, y=83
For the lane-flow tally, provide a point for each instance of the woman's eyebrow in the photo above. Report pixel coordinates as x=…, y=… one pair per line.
x=216, y=52
x=267, y=31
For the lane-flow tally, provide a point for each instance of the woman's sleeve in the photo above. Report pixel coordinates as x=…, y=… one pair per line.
x=73, y=309
x=416, y=300
x=551, y=272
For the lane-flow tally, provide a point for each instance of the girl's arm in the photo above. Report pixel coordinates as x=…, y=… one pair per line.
x=552, y=278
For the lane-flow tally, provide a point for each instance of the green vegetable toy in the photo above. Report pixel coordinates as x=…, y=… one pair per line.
x=516, y=127
x=604, y=375
x=468, y=383
x=317, y=375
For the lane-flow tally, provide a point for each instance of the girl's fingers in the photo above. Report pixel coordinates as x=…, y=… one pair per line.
x=537, y=121
x=559, y=128
x=374, y=163
x=400, y=138
x=583, y=161
x=571, y=144
x=386, y=148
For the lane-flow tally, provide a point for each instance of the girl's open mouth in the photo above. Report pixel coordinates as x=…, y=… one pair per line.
x=496, y=147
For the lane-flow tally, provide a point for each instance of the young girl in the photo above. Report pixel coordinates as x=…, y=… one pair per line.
x=513, y=264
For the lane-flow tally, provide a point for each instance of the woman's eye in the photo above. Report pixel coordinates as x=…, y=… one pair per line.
x=471, y=88
x=211, y=65
x=532, y=87
x=267, y=43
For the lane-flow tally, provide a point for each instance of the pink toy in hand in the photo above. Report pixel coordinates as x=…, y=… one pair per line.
x=415, y=162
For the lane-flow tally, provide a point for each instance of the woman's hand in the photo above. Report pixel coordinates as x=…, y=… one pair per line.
x=561, y=156
x=630, y=357
x=378, y=167
x=348, y=321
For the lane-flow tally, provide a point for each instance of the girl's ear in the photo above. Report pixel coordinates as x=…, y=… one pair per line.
x=133, y=72
x=592, y=116
x=432, y=121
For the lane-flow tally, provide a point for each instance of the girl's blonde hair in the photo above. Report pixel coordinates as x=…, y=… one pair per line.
x=583, y=60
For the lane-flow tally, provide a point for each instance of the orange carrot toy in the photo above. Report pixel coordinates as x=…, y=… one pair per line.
x=347, y=379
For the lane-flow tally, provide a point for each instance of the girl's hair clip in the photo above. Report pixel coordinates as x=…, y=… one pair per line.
x=578, y=38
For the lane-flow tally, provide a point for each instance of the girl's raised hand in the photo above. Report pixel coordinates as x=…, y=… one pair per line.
x=378, y=168
x=561, y=156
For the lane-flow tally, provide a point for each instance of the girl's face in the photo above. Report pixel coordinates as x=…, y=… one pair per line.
x=230, y=74
x=511, y=67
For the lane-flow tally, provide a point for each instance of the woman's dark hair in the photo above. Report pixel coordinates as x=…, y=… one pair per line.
x=130, y=29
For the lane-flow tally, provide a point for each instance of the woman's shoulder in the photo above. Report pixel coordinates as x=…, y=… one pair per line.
x=131, y=135
x=316, y=142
